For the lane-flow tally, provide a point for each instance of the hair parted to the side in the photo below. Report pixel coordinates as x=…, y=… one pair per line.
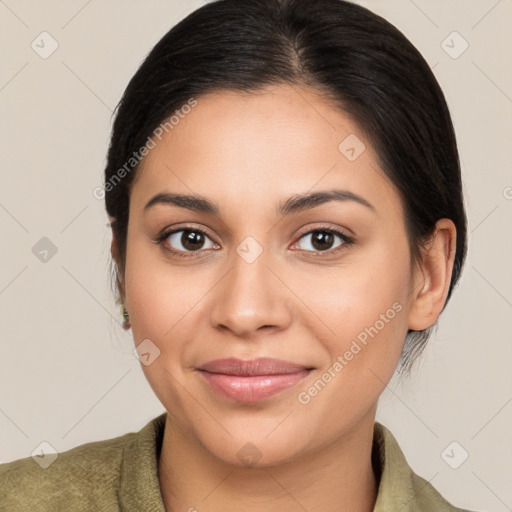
x=351, y=56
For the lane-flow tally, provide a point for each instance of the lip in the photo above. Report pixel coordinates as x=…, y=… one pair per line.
x=253, y=380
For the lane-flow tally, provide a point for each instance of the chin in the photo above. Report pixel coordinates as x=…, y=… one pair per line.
x=254, y=447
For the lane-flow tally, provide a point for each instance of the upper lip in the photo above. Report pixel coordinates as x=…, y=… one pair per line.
x=260, y=366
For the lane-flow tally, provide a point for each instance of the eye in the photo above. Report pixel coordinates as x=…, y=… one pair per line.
x=324, y=240
x=188, y=241
x=184, y=241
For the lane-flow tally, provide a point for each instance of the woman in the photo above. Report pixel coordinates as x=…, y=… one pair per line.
x=288, y=224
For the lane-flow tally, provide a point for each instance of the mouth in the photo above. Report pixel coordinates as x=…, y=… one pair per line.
x=254, y=380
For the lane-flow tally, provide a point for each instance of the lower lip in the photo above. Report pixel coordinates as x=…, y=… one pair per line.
x=252, y=388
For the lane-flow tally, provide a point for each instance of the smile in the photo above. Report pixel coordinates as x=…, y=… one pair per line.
x=252, y=381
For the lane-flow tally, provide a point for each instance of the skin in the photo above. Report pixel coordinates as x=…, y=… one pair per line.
x=247, y=153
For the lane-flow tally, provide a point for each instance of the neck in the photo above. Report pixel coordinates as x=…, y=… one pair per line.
x=338, y=476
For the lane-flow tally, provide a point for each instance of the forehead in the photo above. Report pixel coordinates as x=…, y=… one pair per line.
x=248, y=149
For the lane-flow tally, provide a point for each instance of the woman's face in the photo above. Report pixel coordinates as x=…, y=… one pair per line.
x=262, y=278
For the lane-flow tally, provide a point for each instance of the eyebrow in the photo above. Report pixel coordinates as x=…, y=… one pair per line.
x=293, y=204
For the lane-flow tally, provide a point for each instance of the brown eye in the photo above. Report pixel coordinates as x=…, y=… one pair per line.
x=322, y=240
x=186, y=240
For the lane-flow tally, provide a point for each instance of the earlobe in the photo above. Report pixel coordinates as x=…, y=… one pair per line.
x=432, y=276
x=114, y=251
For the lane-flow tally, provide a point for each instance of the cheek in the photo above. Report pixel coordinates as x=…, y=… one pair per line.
x=160, y=296
x=365, y=305
x=165, y=303
x=355, y=295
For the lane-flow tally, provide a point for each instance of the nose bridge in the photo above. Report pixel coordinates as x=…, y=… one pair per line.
x=249, y=295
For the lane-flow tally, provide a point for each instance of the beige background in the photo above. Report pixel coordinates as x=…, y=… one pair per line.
x=67, y=372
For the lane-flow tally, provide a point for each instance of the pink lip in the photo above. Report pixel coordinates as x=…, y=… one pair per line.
x=252, y=381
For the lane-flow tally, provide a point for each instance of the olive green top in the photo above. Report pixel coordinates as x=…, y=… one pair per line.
x=121, y=474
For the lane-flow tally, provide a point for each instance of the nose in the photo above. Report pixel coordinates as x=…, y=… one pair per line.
x=251, y=299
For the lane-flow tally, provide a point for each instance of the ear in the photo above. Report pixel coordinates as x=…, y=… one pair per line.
x=432, y=276
x=114, y=251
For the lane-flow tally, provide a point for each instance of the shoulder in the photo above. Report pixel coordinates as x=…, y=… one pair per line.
x=429, y=499
x=400, y=487
x=82, y=478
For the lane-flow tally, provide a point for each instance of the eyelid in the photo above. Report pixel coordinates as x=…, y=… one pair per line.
x=168, y=231
x=324, y=227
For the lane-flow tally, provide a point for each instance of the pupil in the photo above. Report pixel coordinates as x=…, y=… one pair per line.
x=192, y=240
x=322, y=240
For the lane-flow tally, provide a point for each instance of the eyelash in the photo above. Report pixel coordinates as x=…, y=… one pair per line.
x=347, y=241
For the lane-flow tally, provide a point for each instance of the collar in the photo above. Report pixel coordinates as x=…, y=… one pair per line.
x=399, y=488
x=139, y=487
